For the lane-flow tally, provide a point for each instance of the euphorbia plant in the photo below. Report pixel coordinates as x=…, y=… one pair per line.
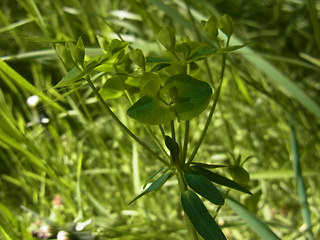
x=164, y=91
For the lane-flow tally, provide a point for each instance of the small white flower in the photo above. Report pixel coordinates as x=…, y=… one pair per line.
x=45, y=120
x=62, y=235
x=32, y=100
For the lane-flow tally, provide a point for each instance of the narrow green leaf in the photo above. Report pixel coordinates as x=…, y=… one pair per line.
x=203, y=186
x=152, y=176
x=299, y=179
x=205, y=165
x=155, y=186
x=263, y=231
x=4, y=234
x=159, y=66
x=157, y=60
x=147, y=109
x=220, y=179
x=200, y=217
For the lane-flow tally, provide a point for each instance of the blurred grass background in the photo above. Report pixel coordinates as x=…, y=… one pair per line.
x=84, y=158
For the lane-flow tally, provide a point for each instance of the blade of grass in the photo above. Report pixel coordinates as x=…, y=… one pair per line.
x=4, y=234
x=15, y=25
x=78, y=186
x=314, y=20
x=299, y=179
x=24, y=84
x=31, y=7
x=259, y=227
x=17, y=145
x=281, y=174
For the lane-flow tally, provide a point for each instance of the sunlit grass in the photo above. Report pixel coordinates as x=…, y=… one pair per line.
x=81, y=156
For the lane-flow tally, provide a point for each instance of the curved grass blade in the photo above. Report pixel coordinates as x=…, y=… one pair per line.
x=24, y=84
x=200, y=217
x=253, y=222
x=155, y=186
x=299, y=179
x=220, y=179
x=203, y=186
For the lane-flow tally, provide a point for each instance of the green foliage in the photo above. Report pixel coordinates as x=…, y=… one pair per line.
x=167, y=38
x=194, y=93
x=203, y=186
x=200, y=217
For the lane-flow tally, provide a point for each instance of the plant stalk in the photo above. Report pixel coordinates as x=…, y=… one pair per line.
x=213, y=107
x=121, y=125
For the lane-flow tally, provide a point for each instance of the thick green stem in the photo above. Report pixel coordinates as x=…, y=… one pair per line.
x=121, y=125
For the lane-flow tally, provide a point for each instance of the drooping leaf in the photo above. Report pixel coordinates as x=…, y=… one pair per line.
x=116, y=46
x=65, y=55
x=239, y=174
x=200, y=217
x=211, y=27
x=155, y=186
x=167, y=37
x=193, y=95
x=214, y=177
x=150, y=84
x=80, y=50
x=184, y=50
x=137, y=57
x=173, y=148
x=103, y=43
x=113, y=88
x=226, y=25
x=151, y=111
x=203, y=186
x=262, y=230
